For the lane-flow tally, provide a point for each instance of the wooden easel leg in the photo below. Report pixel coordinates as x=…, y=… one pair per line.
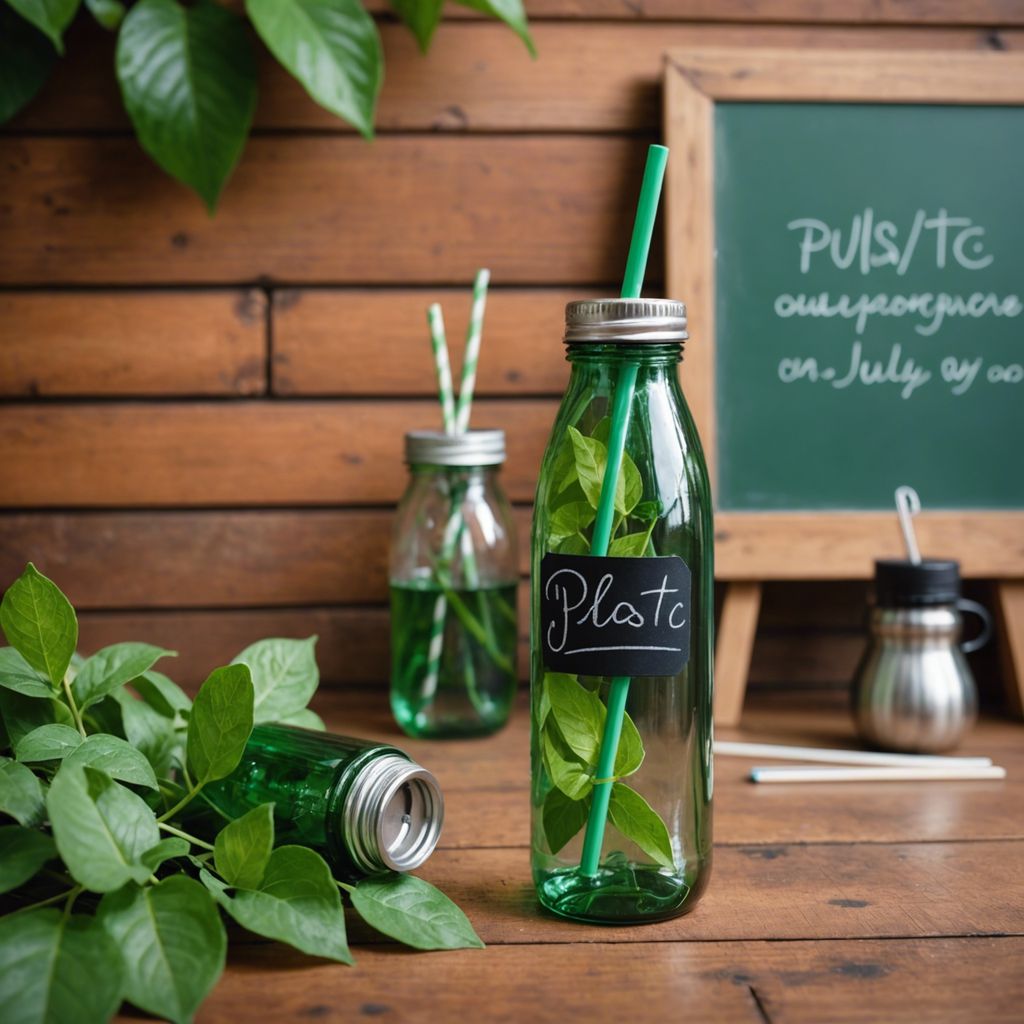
x=733, y=648
x=1010, y=607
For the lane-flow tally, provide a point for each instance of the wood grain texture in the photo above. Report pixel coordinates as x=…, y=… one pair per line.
x=357, y=342
x=938, y=981
x=826, y=891
x=479, y=77
x=734, y=646
x=841, y=545
x=792, y=657
x=550, y=209
x=239, y=453
x=134, y=343
x=861, y=76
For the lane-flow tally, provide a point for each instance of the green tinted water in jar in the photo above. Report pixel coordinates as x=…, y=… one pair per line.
x=454, y=576
x=655, y=851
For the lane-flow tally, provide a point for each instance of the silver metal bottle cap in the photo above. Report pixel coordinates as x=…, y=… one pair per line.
x=635, y=321
x=472, y=448
x=392, y=815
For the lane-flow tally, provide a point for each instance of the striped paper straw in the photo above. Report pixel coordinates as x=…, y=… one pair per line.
x=451, y=536
x=444, y=371
x=473, y=335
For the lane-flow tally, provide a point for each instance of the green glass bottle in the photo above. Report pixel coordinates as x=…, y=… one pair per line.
x=636, y=625
x=365, y=806
x=453, y=575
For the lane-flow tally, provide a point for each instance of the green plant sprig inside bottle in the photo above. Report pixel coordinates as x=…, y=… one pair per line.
x=572, y=715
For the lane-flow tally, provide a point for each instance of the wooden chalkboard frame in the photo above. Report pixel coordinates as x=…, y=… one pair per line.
x=755, y=546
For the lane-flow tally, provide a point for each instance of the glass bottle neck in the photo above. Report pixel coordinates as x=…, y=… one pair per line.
x=649, y=356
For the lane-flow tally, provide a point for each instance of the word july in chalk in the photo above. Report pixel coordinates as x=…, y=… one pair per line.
x=615, y=616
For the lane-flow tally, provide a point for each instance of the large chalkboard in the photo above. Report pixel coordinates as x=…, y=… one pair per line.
x=869, y=325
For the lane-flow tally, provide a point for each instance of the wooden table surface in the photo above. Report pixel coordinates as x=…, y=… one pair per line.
x=855, y=902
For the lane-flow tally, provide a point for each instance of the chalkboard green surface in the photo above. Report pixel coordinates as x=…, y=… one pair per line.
x=869, y=318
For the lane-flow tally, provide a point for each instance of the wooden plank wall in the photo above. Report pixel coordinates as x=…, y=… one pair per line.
x=202, y=418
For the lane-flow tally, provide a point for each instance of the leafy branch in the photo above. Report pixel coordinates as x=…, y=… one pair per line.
x=99, y=758
x=571, y=715
x=188, y=73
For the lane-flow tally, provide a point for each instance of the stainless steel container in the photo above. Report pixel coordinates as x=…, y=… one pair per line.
x=913, y=689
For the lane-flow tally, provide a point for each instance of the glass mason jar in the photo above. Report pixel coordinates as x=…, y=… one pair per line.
x=364, y=805
x=622, y=823
x=454, y=573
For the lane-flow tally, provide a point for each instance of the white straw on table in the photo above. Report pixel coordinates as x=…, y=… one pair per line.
x=472, y=356
x=936, y=773
x=439, y=345
x=824, y=755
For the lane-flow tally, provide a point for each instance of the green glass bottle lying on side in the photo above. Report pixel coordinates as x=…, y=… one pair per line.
x=631, y=630
x=365, y=806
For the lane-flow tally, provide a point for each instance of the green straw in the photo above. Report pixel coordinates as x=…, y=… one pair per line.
x=632, y=284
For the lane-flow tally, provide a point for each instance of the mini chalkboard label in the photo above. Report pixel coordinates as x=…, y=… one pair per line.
x=615, y=616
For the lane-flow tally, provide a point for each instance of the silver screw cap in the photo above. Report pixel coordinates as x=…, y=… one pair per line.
x=632, y=321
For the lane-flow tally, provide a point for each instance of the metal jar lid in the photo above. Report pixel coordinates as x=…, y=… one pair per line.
x=635, y=321
x=393, y=814
x=473, y=448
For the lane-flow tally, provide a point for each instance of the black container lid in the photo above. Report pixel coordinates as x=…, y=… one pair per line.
x=899, y=583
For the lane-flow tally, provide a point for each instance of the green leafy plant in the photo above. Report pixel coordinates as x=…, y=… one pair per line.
x=101, y=878
x=571, y=711
x=188, y=72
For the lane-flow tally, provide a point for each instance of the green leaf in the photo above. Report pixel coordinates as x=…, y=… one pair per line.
x=422, y=17
x=109, y=13
x=331, y=46
x=562, y=818
x=632, y=486
x=188, y=80
x=161, y=694
x=545, y=697
x=574, y=545
x=38, y=620
x=21, y=793
x=579, y=714
x=414, y=912
x=23, y=851
x=18, y=675
x=305, y=719
x=563, y=470
x=570, y=774
x=509, y=11
x=166, y=849
x=102, y=829
x=242, y=848
x=632, y=545
x=220, y=723
x=58, y=970
x=634, y=817
x=297, y=903
x=48, y=743
x=26, y=59
x=570, y=519
x=114, y=756
x=22, y=714
x=173, y=943
x=647, y=511
x=51, y=17
x=284, y=676
x=630, y=754
x=112, y=667
x=591, y=458
x=150, y=733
